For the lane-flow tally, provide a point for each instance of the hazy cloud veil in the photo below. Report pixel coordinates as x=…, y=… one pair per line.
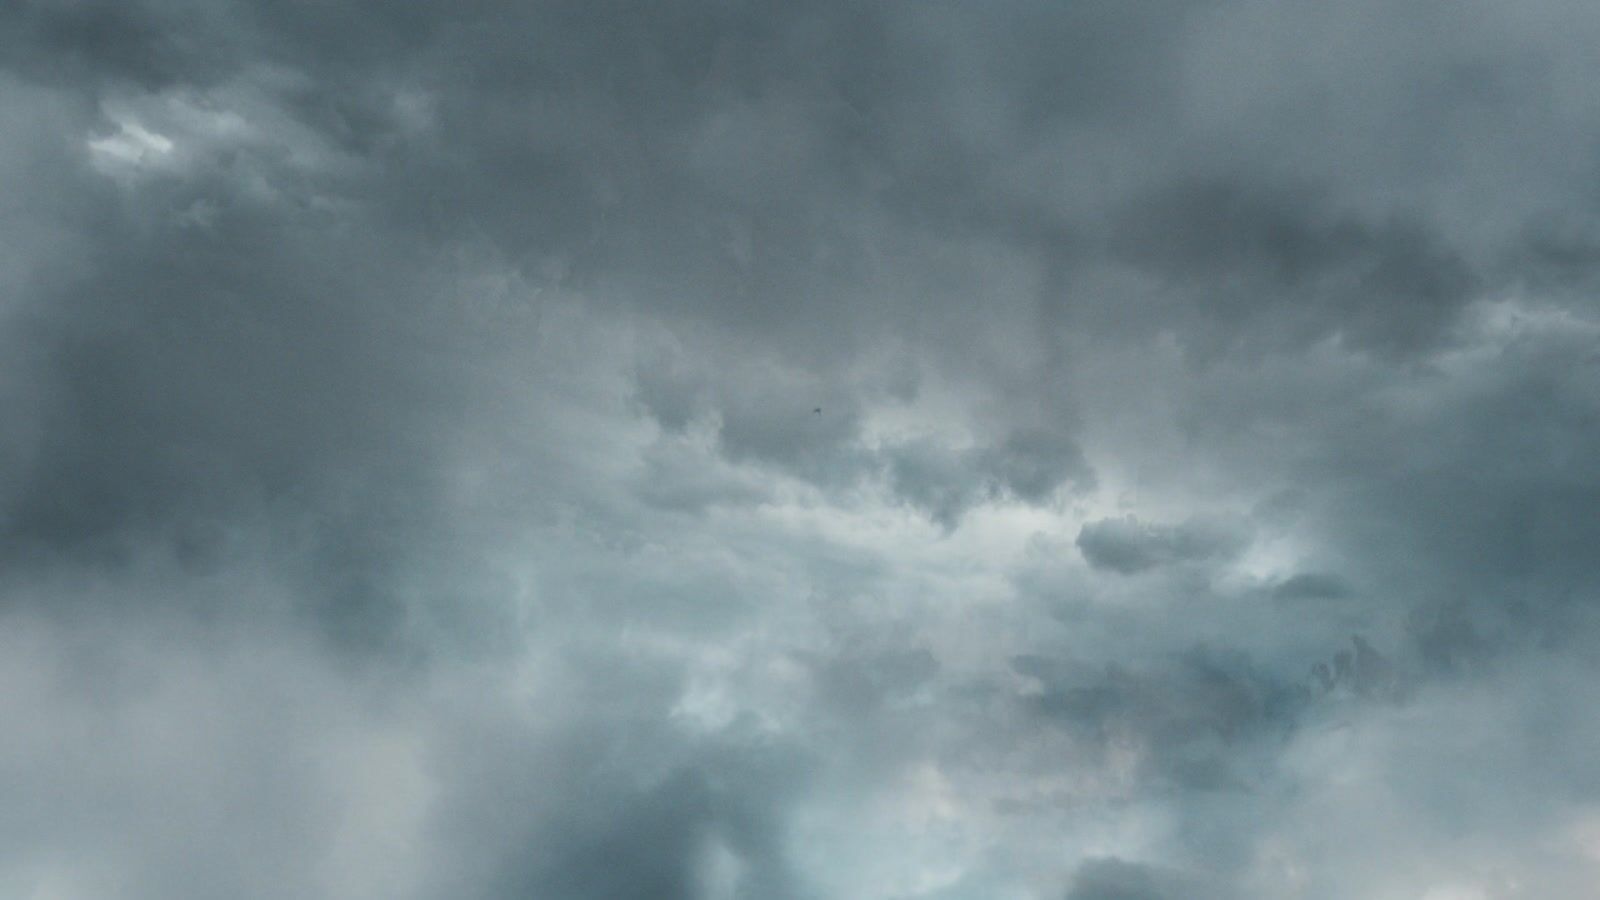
x=1079, y=450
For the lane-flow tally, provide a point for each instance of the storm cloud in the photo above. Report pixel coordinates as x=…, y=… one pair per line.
x=799, y=450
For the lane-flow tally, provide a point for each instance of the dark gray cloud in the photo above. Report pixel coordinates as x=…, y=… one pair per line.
x=1128, y=546
x=1185, y=720
x=1311, y=586
x=620, y=805
x=798, y=450
x=1029, y=466
x=1272, y=266
x=1110, y=878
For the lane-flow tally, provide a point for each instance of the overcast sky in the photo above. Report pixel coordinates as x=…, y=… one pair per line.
x=821, y=450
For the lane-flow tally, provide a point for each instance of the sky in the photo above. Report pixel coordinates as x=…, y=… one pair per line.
x=859, y=449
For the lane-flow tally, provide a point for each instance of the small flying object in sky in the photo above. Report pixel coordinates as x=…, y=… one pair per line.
x=817, y=411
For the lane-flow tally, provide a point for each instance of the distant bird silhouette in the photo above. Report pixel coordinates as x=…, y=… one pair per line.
x=817, y=411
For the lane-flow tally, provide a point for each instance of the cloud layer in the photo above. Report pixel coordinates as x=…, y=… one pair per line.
x=805, y=450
